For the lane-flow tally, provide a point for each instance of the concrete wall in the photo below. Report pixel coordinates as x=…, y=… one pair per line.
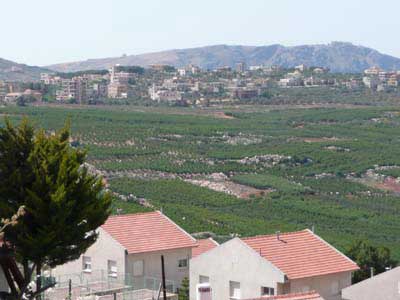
x=3, y=282
x=383, y=286
x=328, y=286
x=233, y=261
x=104, y=249
x=152, y=264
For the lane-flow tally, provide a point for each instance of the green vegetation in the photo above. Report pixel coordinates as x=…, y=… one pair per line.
x=80, y=73
x=316, y=161
x=184, y=290
x=267, y=181
x=50, y=205
x=370, y=259
x=130, y=69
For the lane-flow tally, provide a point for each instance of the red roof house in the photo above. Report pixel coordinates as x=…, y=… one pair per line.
x=204, y=245
x=147, y=232
x=301, y=254
x=278, y=266
x=132, y=245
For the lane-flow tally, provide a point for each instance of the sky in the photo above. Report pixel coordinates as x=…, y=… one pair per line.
x=43, y=32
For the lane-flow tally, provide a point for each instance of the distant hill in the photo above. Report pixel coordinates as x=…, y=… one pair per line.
x=337, y=56
x=19, y=72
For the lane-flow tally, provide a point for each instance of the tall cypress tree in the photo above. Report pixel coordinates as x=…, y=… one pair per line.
x=63, y=204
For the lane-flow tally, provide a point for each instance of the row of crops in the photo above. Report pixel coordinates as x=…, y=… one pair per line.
x=321, y=152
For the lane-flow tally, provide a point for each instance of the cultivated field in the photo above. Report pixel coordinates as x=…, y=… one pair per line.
x=248, y=171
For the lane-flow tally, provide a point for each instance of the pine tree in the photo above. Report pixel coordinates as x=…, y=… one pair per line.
x=184, y=290
x=63, y=203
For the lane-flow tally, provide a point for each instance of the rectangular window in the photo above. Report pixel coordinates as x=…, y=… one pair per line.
x=138, y=268
x=204, y=279
x=183, y=263
x=234, y=290
x=267, y=291
x=86, y=264
x=112, y=268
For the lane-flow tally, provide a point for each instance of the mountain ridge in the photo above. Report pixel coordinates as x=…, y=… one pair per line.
x=337, y=56
x=13, y=71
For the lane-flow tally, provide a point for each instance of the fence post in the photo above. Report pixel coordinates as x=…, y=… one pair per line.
x=70, y=289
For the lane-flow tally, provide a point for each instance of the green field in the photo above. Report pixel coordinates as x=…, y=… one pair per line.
x=320, y=159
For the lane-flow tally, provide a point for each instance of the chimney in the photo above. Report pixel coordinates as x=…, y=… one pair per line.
x=372, y=272
x=313, y=229
x=278, y=235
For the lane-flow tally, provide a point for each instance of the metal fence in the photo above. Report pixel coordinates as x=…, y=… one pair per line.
x=99, y=285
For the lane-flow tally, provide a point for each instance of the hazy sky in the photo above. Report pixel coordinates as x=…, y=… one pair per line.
x=43, y=32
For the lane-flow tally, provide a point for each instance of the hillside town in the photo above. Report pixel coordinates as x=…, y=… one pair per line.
x=190, y=85
x=200, y=150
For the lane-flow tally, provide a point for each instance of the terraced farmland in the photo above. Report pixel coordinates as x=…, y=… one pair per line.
x=253, y=172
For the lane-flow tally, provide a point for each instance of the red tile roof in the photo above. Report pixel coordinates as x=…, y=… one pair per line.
x=147, y=232
x=295, y=296
x=301, y=254
x=204, y=245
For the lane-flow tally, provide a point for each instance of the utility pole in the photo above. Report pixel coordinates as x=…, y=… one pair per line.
x=163, y=278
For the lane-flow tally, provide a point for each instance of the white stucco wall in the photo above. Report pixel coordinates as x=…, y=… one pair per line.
x=104, y=249
x=3, y=282
x=152, y=264
x=233, y=261
x=385, y=286
x=328, y=286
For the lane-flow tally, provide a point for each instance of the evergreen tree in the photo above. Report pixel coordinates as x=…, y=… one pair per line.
x=183, y=293
x=62, y=203
x=367, y=257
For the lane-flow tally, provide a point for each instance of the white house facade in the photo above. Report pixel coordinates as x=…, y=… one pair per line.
x=131, y=246
x=270, y=265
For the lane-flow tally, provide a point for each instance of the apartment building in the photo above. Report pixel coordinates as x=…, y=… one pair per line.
x=374, y=71
x=73, y=89
x=371, y=82
x=118, y=91
x=240, y=67
x=3, y=90
x=161, y=94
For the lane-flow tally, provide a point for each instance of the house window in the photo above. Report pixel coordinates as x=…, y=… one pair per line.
x=204, y=279
x=112, y=268
x=234, y=290
x=86, y=264
x=138, y=268
x=267, y=291
x=183, y=263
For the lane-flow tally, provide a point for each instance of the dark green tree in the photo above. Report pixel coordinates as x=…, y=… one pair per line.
x=62, y=203
x=183, y=293
x=367, y=257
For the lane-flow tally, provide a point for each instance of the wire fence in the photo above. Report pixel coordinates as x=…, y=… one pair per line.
x=100, y=285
